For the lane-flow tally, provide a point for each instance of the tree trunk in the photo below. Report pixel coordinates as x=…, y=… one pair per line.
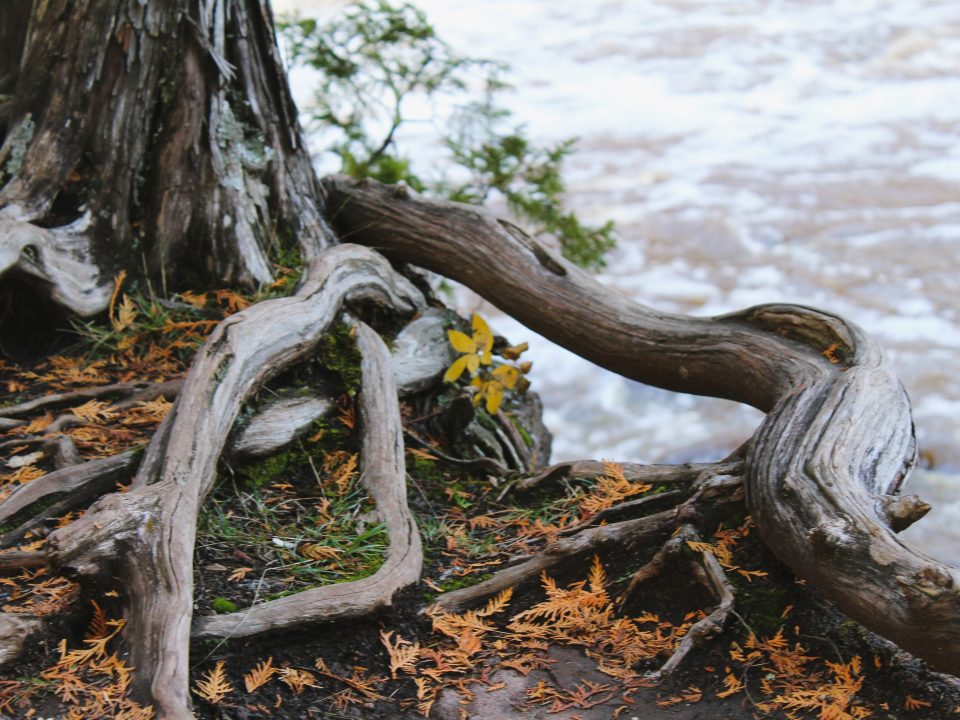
x=159, y=139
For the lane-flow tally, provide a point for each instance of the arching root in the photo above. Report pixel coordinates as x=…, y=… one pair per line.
x=147, y=534
x=384, y=477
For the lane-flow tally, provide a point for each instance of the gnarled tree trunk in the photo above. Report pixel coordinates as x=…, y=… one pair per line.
x=157, y=138
x=160, y=139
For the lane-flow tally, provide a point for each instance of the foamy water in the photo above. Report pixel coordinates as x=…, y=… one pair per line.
x=750, y=151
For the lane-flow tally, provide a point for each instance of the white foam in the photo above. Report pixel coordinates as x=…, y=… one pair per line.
x=787, y=152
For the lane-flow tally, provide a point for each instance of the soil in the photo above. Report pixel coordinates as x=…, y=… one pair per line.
x=349, y=666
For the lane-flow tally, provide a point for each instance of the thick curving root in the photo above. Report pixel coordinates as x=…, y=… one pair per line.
x=383, y=474
x=837, y=441
x=147, y=535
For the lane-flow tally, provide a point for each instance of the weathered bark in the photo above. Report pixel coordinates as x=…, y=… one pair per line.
x=149, y=532
x=144, y=135
x=384, y=476
x=837, y=441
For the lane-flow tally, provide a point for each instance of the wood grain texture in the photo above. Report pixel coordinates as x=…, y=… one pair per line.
x=149, y=532
x=383, y=474
x=837, y=441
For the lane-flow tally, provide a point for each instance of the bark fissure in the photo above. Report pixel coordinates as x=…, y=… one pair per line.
x=161, y=137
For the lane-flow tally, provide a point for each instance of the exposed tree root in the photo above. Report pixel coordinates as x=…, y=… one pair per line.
x=714, y=490
x=148, y=533
x=17, y=560
x=564, y=550
x=634, y=472
x=837, y=441
x=79, y=485
x=279, y=424
x=384, y=477
x=421, y=352
x=630, y=506
x=126, y=393
x=69, y=480
x=59, y=448
x=483, y=464
x=708, y=571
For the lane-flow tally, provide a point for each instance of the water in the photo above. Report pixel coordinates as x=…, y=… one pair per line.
x=750, y=151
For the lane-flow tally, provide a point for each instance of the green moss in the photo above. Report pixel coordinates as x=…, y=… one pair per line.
x=426, y=470
x=337, y=351
x=262, y=472
x=852, y=631
x=761, y=603
x=464, y=581
x=221, y=605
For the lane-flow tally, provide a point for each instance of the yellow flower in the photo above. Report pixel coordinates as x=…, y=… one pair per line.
x=477, y=349
x=502, y=378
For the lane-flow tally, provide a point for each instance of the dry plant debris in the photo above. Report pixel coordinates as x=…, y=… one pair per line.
x=310, y=523
x=91, y=681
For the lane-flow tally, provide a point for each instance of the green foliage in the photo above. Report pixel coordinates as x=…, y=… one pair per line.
x=377, y=58
x=292, y=518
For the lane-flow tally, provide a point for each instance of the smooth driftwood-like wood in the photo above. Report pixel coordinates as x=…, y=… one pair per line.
x=149, y=532
x=420, y=355
x=421, y=352
x=824, y=467
x=383, y=474
x=280, y=423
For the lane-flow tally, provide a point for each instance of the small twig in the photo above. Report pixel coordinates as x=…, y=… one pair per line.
x=486, y=464
x=589, y=540
x=634, y=472
x=709, y=572
x=19, y=560
x=134, y=391
x=620, y=508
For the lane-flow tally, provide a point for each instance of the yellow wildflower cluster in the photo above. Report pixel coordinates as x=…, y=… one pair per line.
x=477, y=358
